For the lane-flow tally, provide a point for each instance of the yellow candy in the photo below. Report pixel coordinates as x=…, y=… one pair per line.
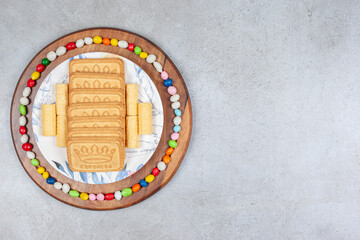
x=84, y=196
x=35, y=75
x=41, y=170
x=143, y=55
x=45, y=175
x=149, y=178
x=114, y=42
x=97, y=39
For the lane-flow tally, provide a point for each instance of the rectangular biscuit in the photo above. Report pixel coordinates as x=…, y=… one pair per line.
x=95, y=110
x=145, y=118
x=96, y=96
x=61, y=129
x=96, y=122
x=99, y=65
x=96, y=132
x=96, y=80
x=62, y=99
x=48, y=115
x=98, y=154
x=132, y=137
x=131, y=99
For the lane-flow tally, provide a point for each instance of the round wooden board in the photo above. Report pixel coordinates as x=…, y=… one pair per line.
x=176, y=158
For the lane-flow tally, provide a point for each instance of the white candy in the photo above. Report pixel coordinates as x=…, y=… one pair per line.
x=51, y=56
x=65, y=188
x=58, y=185
x=157, y=66
x=24, y=101
x=30, y=154
x=118, y=195
x=26, y=92
x=88, y=40
x=22, y=121
x=151, y=58
x=24, y=138
x=80, y=43
x=123, y=44
x=177, y=120
x=161, y=166
x=175, y=98
x=60, y=51
x=175, y=105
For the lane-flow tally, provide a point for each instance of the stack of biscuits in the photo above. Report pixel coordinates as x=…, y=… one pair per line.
x=96, y=115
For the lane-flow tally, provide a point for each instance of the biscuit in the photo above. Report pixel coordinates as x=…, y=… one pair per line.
x=62, y=96
x=48, y=113
x=131, y=99
x=61, y=129
x=96, y=80
x=95, y=110
x=96, y=96
x=145, y=118
x=98, y=154
x=132, y=137
x=96, y=132
x=100, y=65
x=96, y=122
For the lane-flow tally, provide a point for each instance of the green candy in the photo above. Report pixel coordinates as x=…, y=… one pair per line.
x=35, y=162
x=74, y=193
x=137, y=50
x=173, y=143
x=45, y=62
x=126, y=192
x=22, y=110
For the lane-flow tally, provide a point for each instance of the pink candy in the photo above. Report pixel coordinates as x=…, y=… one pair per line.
x=92, y=197
x=100, y=197
x=175, y=136
x=172, y=90
x=164, y=75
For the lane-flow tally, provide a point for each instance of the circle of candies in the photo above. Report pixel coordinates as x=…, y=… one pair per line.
x=24, y=101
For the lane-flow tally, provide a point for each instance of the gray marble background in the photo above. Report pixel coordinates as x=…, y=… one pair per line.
x=275, y=146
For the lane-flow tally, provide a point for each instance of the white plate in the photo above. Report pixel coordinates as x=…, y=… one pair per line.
x=135, y=158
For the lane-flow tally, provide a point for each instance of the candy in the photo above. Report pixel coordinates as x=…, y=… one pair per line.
x=22, y=109
x=118, y=195
x=149, y=178
x=30, y=83
x=172, y=144
x=109, y=196
x=26, y=146
x=27, y=91
x=24, y=138
x=164, y=75
x=114, y=42
x=40, y=67
x=155, y=172
x=136, y=187
x=169, y=151
x=35, y=162
x=143, y=183
x=84, y=196
x=30, y=154
x=151, y=58
x=175, y=105
x=74, y=193
x=177, y=120
x=168, y=82
x=80, y=43
x=35, y=75
x=97, y=39
x=166, y=159
x=92, y=197
x=106, y=41
x=70, y=46
x=171, y=90
x=176, y=128
x=51, y=56
x=40, y=170
x=45, y=61
x=24, y=101
x=50, y=180
x=137, y=50
x=131, y=47
x=175, y=136
x=177, y=112
x=22, y=121
x=65, y=188
x=143, y=55
x=45, y=175
x=126, y=192
x=100, y=196
x=58, y=185
x=22, y=130
x=123, y=44
x=60, y=51
x=157, y=66
x=175, y=98
x=88, y=40
x=161, y=166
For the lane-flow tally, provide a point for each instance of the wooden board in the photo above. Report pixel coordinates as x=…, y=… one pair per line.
x=164, y=177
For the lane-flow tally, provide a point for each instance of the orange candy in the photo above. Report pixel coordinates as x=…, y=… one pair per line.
x=166, y=159
x=169, y=151
x=106, y=41
x=136, y=187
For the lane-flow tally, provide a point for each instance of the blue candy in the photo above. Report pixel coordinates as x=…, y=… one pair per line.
x=143, y=183
x=177, y=112
x=50, y=180
x=168, y=82
x=177, y=128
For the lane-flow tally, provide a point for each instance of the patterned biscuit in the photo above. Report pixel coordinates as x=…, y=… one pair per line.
x=95, y=110
x=96, y=80
x=95, y=122
x=145, y=118
x=101, y=65
x=97, y=132
x=96, y=96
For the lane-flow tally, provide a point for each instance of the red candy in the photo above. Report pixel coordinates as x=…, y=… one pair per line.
x=40, y=68
x=70, y=46
x=155, y=171
x=26, y=146
x=31, y=83
x=109, y=196
x=131, y=47
x=22, y=130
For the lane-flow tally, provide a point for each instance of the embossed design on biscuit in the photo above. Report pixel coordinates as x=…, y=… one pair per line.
x=95, y=154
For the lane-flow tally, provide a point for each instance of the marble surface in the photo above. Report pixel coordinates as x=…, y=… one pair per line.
x=275, y=146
